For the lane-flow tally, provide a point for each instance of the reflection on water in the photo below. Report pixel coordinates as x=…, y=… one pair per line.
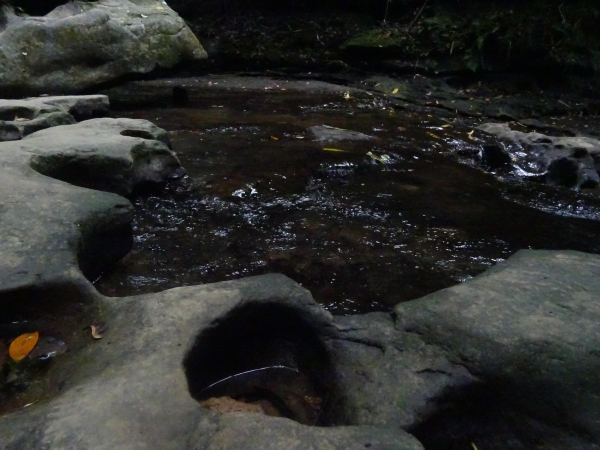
x=362, y=233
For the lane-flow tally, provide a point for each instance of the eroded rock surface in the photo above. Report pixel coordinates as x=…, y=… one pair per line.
x=565, y=161
x=83, y=44
x=19, y=118
x=51, y=228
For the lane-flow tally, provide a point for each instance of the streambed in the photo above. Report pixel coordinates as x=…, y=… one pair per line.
x=362, y=232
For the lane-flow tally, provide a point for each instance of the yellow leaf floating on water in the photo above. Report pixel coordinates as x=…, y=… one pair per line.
x=22, y=346
x=347, y=95
x=433, y=135
x=383, y=159
x=446, y=125
x=471, y=134
x=334, y=150
x=274, y=138
x=474, y=446
x=395, y=91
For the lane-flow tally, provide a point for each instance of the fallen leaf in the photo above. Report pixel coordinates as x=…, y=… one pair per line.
x=283, y=89
x=383, y=159
x=22, y=345
x=334, y=150
x=433, y=135
x=21, y=119
x=299, y=137
x=401, y=129
x=346, y=95
x=446, y=125
x=395, y=91
x=471, y=134
x=159, y=7
x=144, y=16
x=98, y=329
x=274, y=138
x=474, y=446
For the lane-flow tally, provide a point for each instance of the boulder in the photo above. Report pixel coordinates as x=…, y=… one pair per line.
x=83, y=44
x=564, y=161
x=18, y=118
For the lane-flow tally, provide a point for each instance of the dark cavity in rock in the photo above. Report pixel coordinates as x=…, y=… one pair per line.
x=263, y=355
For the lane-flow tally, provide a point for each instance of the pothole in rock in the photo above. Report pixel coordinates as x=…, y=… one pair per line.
x=263, y=358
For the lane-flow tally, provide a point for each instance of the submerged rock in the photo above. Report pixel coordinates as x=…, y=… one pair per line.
x=83, y=44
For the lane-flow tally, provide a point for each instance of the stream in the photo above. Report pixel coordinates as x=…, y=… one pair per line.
x=363, y=224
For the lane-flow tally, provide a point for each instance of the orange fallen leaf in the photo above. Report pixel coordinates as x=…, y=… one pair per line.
x=22, y=345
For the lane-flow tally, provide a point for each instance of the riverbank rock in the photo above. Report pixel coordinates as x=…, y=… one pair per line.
x=52, y=227
x=563, y=161
x=83, y=44
x=19, y=118
x=528, y=329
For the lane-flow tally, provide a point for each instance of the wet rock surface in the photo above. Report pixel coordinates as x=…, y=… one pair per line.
x=80, y=44
x=50, y=228
x=564, y=161
x=528, y=328
x=18, y=118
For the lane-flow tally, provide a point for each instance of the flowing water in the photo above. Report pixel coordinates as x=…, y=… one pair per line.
x=362, y=232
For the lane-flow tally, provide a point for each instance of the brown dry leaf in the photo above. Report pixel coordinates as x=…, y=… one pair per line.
x=395, y=91
x=227, y=405
x=401, y=129
x=21, y=346
x=98, y=329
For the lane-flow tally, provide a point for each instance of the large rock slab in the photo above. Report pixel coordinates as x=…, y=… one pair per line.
x=83, y=44
x=527, y=327
x=52, y=228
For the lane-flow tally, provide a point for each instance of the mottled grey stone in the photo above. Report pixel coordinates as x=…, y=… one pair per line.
x=83, y=44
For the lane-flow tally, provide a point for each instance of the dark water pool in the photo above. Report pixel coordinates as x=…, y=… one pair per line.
x=360, y=234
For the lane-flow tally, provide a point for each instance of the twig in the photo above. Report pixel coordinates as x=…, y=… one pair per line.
x=561, y=14
x=417, y=16
x=566, y=104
